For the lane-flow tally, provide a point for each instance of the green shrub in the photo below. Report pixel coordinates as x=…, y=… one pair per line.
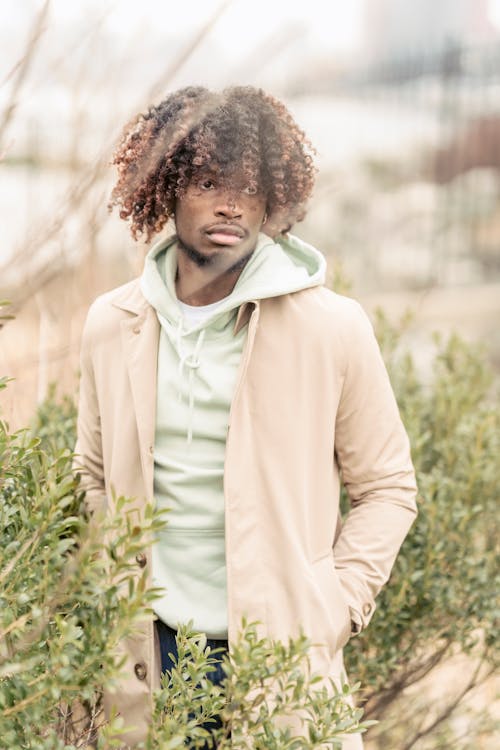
x=54, y=423
x=440, y=599
x=266, y=684
x=61, y=610
x=67, y=599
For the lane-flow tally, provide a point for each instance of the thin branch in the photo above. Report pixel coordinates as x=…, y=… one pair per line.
x=412, y=675
x=162, y=83
x=270, y=48
x=34, y=278
x=39, y=237
x=22, y=67
x=52, y=353
x=5, y=573
x=451, y=707
x=18, y=707
x=84, y=38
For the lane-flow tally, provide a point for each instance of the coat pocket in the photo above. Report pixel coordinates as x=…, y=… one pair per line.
x=333, y=600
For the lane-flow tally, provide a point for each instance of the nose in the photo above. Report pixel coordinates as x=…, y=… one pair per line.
x=227, y=206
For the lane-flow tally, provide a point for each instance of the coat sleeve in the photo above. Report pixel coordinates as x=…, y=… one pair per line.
x=373, y=452
x=88, y=460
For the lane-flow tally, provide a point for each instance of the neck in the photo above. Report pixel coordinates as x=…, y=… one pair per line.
x=201, y=285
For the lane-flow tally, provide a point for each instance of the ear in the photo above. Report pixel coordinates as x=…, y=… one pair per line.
x=271, y=224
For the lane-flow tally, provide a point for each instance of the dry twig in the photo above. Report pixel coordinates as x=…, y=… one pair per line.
x=21, y=69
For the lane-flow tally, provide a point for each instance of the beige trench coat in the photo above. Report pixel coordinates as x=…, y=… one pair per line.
x=312, y=397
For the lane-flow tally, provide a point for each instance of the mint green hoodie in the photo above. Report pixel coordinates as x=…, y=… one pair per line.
x=197, y=369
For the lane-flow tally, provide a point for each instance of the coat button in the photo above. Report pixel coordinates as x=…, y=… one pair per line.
x=141, y=559
x=367, y=608
x=140, y=670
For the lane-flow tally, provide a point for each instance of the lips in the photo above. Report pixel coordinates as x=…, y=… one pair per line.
x=225, y=234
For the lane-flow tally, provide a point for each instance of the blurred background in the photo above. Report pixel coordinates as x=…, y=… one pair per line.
x=400, y=98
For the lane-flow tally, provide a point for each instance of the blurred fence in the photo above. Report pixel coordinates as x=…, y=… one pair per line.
x=438, y=196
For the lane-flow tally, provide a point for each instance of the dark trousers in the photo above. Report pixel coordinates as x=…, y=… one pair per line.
x=168, y=645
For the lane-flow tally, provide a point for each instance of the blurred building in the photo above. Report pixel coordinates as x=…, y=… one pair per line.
x=401, y=29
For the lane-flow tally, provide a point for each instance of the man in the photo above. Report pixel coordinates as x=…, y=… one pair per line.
x=229, y=385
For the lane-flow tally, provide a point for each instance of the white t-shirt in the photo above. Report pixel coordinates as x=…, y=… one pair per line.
x=195, y=314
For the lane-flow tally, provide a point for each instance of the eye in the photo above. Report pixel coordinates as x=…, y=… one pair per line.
x=206, y=184
x=250, y=190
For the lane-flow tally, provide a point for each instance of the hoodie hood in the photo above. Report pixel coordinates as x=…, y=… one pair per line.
x=275, y=268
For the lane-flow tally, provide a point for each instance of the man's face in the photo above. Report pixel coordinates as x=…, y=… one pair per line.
x=218, y=223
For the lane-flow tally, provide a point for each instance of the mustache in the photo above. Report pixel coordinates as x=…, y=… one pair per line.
x=226, y=227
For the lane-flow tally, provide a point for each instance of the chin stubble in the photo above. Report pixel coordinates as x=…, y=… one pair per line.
x=204, y=261
x=198, y=258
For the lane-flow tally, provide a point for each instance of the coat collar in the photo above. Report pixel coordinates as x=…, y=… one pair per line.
x=244, y=314
x=130, y=298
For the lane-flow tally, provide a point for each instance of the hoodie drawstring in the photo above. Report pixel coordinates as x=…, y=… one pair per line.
x=191, y=361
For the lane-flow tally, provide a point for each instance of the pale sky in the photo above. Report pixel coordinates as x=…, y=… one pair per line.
x=495, y=12
x=333, y=28
x=334, y=25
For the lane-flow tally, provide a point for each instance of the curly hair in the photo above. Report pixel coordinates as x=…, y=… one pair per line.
x=240, y=132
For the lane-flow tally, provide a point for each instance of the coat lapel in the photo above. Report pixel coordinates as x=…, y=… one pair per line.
x=140, y=334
